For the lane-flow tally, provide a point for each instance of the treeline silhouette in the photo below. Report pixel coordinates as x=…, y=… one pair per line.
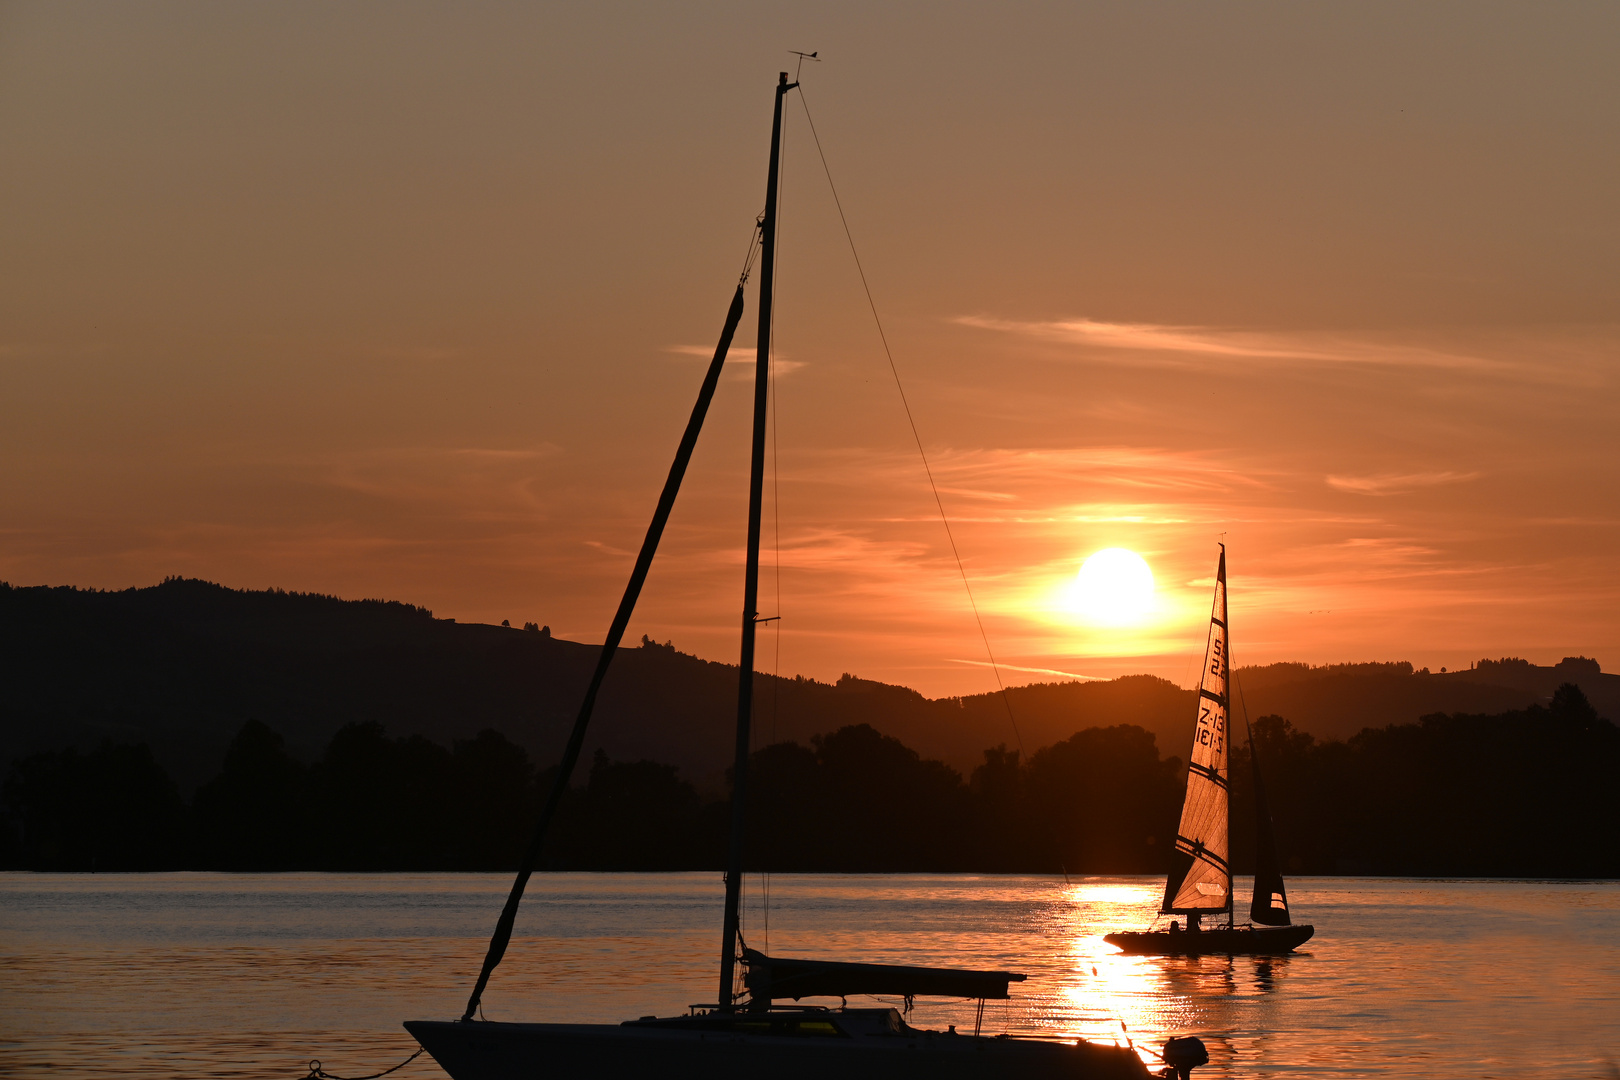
x=1522, y=793
x=1527, y=793
x=183, y=665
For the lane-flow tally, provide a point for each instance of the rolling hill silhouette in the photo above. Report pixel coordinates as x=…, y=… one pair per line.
x=182, y=665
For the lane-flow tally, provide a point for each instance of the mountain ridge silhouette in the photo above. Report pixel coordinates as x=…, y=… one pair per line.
x=183, y=664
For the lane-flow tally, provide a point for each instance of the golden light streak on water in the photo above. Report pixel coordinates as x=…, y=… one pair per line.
x=165, y=975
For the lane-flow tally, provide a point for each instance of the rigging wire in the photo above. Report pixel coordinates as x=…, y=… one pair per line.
x=894, y=370
x=754, y=243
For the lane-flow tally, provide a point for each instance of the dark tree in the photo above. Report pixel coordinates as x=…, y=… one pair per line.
x=1108, y=800
x=787, y=798
x=383, y=804
x=255, y=815
x=888, y=807
x=1004, y=813
x=113, y=808
x=493, y=802
x=633, y=815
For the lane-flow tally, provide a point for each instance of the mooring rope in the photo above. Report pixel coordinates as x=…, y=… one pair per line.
x=316, y=1072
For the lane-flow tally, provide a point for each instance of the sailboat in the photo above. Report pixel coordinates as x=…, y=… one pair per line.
x=1200, y=880
x=754, y=1029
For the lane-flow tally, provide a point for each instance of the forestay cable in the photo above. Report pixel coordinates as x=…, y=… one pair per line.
x=911, y=420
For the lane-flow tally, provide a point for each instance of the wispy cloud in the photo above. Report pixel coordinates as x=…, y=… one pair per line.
x=608, y=548
x=1031, y=670
x=1397, y=483
x=737, y=354
x=972, y=493
x=1178, y=344
x=467, y=481
x=1010, y=471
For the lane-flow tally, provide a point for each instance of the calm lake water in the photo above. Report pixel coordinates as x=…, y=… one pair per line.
x=215, y=975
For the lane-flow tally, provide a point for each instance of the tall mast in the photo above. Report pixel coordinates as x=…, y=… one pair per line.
x=1226, y=659
x=750, y=613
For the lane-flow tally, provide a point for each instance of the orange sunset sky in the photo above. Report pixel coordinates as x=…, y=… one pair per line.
x=411, y=301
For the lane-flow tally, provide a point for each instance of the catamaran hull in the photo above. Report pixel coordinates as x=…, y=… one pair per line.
x=497, y=1051
x=1236, y=941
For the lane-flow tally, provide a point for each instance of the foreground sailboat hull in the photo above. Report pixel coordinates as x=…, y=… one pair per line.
x=1222, y=941
x=483, y=1050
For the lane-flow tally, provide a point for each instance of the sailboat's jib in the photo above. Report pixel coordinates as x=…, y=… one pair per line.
x=1269, y=907
x=1200, y=878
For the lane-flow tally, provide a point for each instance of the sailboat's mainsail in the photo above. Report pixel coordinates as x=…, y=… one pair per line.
x=1270, y=904
x=1200, y=879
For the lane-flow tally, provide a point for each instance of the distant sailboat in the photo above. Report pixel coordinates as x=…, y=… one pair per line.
x=1200, y=878
x=754, y=1034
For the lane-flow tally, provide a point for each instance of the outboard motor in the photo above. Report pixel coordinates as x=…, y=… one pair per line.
x=1183, y=1056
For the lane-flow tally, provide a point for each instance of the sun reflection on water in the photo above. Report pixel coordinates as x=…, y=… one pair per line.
x=117, y=977
x=1104, y=994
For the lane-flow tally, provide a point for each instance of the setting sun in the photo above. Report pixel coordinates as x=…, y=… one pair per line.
x=1114, y=588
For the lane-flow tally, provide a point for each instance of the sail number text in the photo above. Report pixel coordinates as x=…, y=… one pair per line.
x=1211, y=728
